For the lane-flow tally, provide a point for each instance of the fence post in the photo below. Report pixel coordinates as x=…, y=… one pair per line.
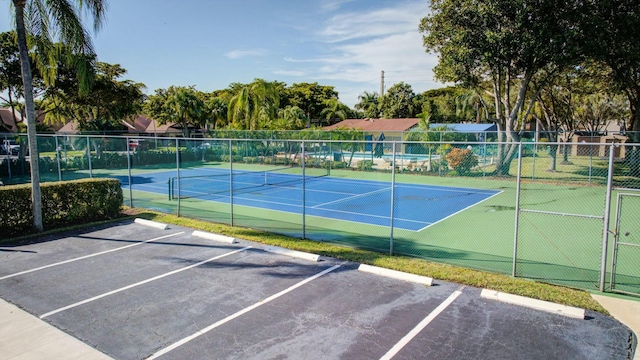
x=58, y=159
x=393, y=187
x=304, y=197
x=591, y=157
x=607, y=214
x=89, y=157
x=129, y=168
x=533, y=162
x=515, y=236
x=484, y=161
x=231, y=180
x=7, y=149
x=178, y=173
x=441, y=156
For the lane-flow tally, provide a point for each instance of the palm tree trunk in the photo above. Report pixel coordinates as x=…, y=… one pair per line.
x=27, y=80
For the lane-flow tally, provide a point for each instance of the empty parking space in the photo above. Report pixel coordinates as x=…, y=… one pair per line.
x=176, y=296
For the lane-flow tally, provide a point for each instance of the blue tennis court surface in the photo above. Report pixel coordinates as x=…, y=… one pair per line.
x=363, y=201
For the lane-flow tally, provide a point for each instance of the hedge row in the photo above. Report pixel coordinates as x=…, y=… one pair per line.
x=63, y=203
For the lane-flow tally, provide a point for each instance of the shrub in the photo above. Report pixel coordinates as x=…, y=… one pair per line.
x=461, y=160
x=365, y=165
x=63, y=203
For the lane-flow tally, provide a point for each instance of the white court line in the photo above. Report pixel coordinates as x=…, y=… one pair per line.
x=88, y=256
x=459, y=211
x=416, y=330
x=239, y=313
x=352, y=197
x=139, y=283
x=410, y=185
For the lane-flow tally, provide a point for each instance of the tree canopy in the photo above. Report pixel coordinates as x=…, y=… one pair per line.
x=500, y=46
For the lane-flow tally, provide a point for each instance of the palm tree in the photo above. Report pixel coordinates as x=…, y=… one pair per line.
x=368, y=102
x=290, y=118
x=46, y=18
x=334, y=109
x=184, y=107
x=217, y=109
x=254, y=105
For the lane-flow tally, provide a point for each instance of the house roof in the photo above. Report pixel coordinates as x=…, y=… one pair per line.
x=7, y=119
x=376, y=124
x=472, y=128
x=155, y=128
x=140, y=125
x=69, y=128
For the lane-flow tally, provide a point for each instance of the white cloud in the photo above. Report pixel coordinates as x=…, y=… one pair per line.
x=379, y=22
x=296, y=73
x=333, y=5
x=243, y=53
x=360, y=45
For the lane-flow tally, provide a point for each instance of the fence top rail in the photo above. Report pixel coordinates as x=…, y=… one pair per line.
x=362, y=141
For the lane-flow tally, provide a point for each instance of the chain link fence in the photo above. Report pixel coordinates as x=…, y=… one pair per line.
x=557, y=212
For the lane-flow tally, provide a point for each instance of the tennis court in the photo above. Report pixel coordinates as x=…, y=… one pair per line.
x=362, y=201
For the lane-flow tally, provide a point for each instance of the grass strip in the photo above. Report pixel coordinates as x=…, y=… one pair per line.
x=480, y=279
x=459, y=275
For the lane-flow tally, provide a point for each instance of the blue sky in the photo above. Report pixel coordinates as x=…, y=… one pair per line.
x=212, y=43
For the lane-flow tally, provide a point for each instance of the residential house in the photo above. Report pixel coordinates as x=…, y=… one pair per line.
x=140, y=126
x=392, y=129
x=8, y=125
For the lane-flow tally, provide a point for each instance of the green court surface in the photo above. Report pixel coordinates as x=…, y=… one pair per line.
x=558, y=249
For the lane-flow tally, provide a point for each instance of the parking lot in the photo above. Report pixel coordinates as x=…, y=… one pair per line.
x=136, y=292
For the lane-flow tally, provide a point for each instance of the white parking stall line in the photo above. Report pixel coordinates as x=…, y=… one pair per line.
x=88, y=256
x=239, y=313
x=416, y=330
x=140, y=283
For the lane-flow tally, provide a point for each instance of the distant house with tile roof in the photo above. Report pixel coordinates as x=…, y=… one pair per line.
x=141, y=125
x=391, y=128
x=8, y=125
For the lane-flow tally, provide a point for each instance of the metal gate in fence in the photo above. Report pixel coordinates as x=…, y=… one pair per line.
x=558, y=241
x=625, y=268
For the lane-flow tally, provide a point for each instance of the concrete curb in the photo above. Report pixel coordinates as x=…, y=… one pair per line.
x=559, y=309
x=624, y=310
x=215, y=237
x=153, y=224
x=396, y=274
x=292, y=253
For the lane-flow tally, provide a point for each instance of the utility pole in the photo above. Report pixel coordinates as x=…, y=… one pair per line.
x=381, y=82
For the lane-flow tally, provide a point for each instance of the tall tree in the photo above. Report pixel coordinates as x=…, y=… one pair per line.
x=179, y=105
x=611, y=37
x=216, y=109
x=504, y=44
x=290, y=118
x=254, y=105
x=46, y=18
x=311, y=98
x=398, y=102
x=111, y=100
x=334, y=111
x=368, y=102
x=10, y=81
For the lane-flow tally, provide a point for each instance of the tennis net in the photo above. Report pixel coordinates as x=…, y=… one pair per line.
x=186, y=187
